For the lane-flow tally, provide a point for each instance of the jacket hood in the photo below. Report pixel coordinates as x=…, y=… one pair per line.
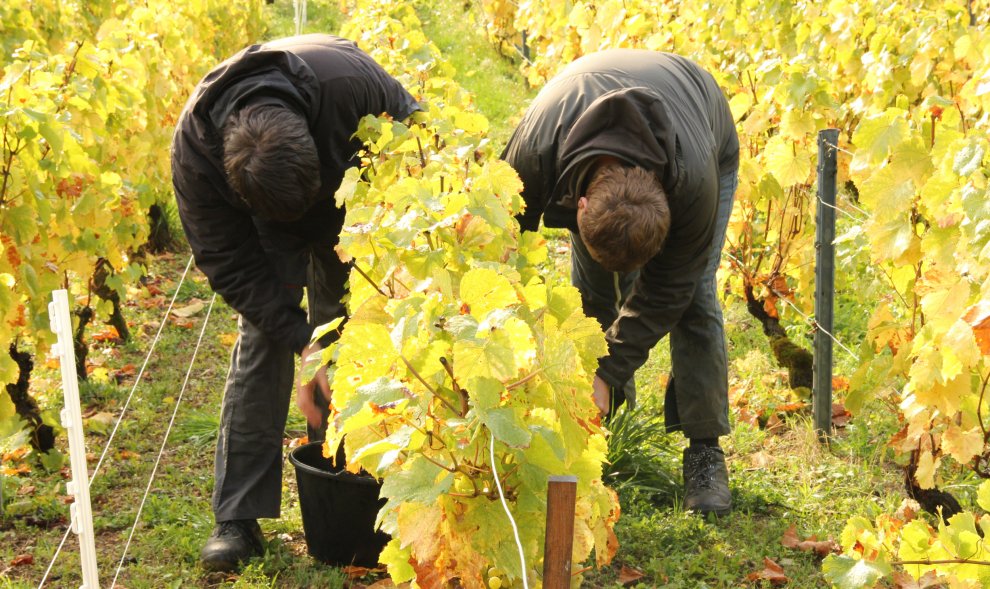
x=255, y=75
x=631, y=124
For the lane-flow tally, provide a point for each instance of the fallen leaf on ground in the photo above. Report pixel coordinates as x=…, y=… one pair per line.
x=107, y=334
x=22, y=560
x=228, y=339
x=629, y=575
x=819, y=547
x=840, y=416
x=189, y=310
x=127, y=369
x=15, y=454
x=775, y=425
x=26, y=490
x=99, y=422
x=772, y=572
x=356, y=571
x=792, y=407
x=153, y=303
x=759, y=459
x=180, y=322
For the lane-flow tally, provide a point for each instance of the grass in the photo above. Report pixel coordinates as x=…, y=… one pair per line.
x=779, y=478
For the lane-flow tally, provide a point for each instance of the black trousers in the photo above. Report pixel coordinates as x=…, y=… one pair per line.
x=260, y=383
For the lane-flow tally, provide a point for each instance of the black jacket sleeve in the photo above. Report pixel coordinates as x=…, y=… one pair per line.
x=534, y=164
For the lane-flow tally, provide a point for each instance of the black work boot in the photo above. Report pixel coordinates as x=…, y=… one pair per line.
x=232, y=543
x=706, y=481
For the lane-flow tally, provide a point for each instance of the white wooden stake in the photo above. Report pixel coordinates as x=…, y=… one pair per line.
x=81, y=509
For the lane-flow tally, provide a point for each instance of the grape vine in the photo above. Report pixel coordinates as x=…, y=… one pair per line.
x=908, y=86
x=454, y=337
x=90, y=92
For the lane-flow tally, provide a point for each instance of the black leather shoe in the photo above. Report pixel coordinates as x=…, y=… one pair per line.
x=706, y=481
x=232, y=543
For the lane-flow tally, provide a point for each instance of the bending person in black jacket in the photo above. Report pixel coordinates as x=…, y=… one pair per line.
x=636, y=153
x=258, y=152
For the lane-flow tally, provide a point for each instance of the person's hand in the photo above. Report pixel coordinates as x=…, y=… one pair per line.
x=305, y=391
x=602, y=394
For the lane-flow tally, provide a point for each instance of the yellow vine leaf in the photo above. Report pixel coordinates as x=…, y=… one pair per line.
x=927, y=465
x=962, y=445
x=788, y=164
x=947, y=397
x=740, y=104
x=877, y=136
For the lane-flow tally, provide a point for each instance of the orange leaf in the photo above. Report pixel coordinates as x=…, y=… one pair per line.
x=107, y=334
x=355, y=572
x=16, y=470
x=779, y=286
x=770, y=306
x=22, y=560
x=127, y=370
x=840, y=383
x=978, y=317
x=792, y=407
x=772, y=572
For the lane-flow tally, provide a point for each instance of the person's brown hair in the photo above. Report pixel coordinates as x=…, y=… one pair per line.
x=271, y=161
x=626, y=218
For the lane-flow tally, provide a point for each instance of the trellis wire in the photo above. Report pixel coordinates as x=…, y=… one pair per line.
x=505, y=506
x=807, y=318
x=161, y=451
x=123, y=411
x=857, y=209
x=811, y=321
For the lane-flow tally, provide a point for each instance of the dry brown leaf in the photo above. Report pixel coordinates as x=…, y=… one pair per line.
x=22, y=560
x=772, y=572
x=820, y=547
x=107, y=334
x=759, y=459
x=840, y=415
x=927, y=581
x=629, y=575
x=355, y=572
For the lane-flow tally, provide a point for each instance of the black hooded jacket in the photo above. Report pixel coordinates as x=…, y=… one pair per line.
x=333, y=84
x=657, y=111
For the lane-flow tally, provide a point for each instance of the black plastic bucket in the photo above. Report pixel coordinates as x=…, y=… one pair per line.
x=338, y=509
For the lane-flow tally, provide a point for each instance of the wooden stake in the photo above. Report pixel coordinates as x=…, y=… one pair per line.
x=561, y=498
